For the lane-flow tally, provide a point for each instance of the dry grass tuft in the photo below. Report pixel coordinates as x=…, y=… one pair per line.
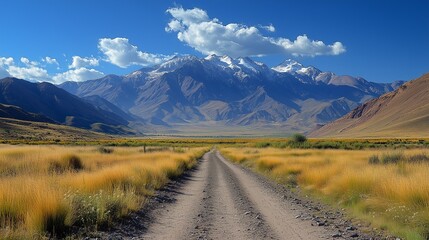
x=44, y=190
x=389, y=189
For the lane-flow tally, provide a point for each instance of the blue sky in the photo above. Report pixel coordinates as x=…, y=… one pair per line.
x=60, y=40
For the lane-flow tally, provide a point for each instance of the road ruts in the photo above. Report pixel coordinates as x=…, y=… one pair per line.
x=222, y=201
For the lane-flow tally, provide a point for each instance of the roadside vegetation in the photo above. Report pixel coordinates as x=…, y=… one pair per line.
x=386, y=187
x=301, y=142
x=49, y=191
x=52, y=188
x=295, y=141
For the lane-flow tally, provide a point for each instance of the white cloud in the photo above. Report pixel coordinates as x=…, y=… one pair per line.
x=32, y=73
x=303, y=46
x=123, y=54
x=190, y=16
x=6, y=61
x=81, y=62
x=50, y=60
x=30, y=70
x=269, y=28
x=78, y=75
x=25, y=60
x=174, y=25
x=29, y=63
x=3, y=73
x=210, y=36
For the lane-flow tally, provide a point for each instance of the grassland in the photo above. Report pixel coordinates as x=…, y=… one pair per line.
x=177, y=141
x=48, y=190
x=391, y=193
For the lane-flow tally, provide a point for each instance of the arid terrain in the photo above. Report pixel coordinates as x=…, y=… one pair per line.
x=240, y=189
x=400, y=113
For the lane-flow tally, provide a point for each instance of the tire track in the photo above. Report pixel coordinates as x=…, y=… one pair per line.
x=218, y=217
x=222, y=201
x=271, y=206
x=177, y=220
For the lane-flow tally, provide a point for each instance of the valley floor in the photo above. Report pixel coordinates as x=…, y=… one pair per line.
x=172, y=188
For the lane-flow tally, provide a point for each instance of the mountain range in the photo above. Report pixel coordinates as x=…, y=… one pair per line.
x=219, y=94
x=401, y=113
x=45, y=102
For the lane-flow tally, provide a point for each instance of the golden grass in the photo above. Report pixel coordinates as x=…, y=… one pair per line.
x=392, y=196
x=44, y=190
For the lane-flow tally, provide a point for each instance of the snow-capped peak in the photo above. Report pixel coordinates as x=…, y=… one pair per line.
x=226, y=59
x=221, y=61
x=248, y=63
x=241, y=63
x=302, y=72
x=309, y=71
x=175, y=63
x=211, y=57
x=289, y=66
x=215, y=58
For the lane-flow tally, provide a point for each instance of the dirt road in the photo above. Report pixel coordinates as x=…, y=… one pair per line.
x=222, y=201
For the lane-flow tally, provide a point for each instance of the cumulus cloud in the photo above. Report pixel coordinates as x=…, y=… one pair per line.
x=28, y=63
x=269, y=28
x=303, y=46
x=30, y=72
x=50, y=60
x=123, y=54
x=189, y=17
x=6, y=61
x=78, y=75
x=80, y=62
x=3, y=73
x=27, y=70
x=25, y=60
x=210, y=36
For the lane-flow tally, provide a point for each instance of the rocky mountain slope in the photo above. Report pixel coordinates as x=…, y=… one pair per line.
x=219, y=92
x=10, y=111
x=62, y=107
x=401, y=113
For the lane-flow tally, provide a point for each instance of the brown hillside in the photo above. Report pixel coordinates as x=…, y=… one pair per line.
x=13, y=129
x=401, y=113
